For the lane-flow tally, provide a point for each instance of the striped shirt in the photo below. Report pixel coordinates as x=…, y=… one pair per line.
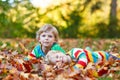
x=83, y=56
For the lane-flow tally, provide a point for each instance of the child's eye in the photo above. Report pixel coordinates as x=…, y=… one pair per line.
x=50, y=36
x=57, y=56
x=43, y=35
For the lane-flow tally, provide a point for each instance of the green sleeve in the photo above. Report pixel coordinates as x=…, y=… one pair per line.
x=56, y=46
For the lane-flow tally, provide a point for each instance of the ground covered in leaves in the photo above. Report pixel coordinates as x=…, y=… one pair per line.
x=13, y=66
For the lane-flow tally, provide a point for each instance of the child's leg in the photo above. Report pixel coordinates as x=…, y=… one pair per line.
x=114, y=57
x=100, y=56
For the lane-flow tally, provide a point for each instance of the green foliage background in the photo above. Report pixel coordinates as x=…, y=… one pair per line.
x=72, y=18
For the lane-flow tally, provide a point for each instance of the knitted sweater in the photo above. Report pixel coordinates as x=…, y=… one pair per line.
x=83, y=56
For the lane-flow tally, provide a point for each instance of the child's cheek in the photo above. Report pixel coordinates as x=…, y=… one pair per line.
x=65, y=60
x=53, y=61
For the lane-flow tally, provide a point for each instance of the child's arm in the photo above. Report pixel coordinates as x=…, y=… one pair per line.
x=82, y=61
x=36, y=53
x=79, y=57
x=30, y=56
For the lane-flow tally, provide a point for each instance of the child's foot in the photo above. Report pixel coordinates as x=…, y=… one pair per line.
x=114, y=56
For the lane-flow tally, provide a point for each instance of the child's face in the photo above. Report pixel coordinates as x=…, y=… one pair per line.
x=59, y=57
x=47, y=39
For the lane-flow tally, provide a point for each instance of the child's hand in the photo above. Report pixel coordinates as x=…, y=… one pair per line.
x=59, y=65
x=74, y=72
x=26, y=59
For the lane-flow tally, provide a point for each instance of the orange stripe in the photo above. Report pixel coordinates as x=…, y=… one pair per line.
x=86, y=53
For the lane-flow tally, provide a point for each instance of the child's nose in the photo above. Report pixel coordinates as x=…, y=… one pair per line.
x=46, y=37
x=59, y=59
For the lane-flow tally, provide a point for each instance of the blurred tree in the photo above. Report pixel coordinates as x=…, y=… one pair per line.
x=112, y=27
x=12, y=19
x=4, y=7
x=72, y=18
x=73, y=21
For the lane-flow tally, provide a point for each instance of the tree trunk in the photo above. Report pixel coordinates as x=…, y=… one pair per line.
x=112, y=31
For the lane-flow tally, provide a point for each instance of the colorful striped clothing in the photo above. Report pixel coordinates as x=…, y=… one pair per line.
x=83, y=56
x=37, y=51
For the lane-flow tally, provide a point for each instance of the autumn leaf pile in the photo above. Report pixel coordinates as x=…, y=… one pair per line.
x=13, y=66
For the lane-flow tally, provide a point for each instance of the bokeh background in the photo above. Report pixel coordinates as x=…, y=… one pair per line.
x=72, y=18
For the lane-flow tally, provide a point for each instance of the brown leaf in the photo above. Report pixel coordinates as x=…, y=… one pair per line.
x=28, y=66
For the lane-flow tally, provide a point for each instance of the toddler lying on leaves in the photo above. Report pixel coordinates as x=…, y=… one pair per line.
x=80, y=58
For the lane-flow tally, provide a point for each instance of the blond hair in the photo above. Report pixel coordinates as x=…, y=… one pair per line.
x=49, y=54
x=47, y=28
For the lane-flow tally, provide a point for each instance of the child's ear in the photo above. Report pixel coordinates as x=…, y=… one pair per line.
x=39, y=40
